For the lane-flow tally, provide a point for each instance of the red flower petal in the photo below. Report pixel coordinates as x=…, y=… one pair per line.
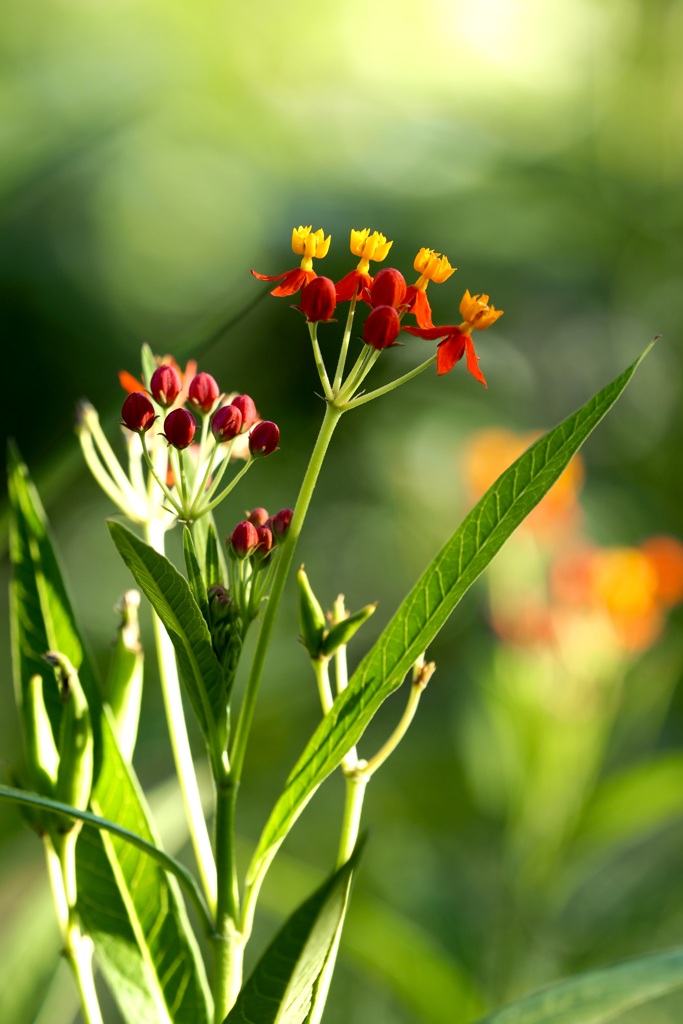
x=432, y=333
x=293, y=281
x=419, y=305
x=473, y=361
x=273, y=277
x=351, y=286
x=449, y=352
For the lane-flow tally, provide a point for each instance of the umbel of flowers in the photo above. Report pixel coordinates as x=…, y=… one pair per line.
x=389, y=300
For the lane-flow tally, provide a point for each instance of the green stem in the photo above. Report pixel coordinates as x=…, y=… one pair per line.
x=353, y=807
x=239, y=745
x=224, y=493
x=319, y=362
x=322, y=677
x=371, y=766
x=182, y=755
x=355, y=402
x=357, y=376
x=341, y=363
x=77, y=949
x=228, y=942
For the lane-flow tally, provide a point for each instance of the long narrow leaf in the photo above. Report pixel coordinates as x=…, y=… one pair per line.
x=279, y=990
x=135, y=960
x=172, y=600
x=600, y=996
x=425, y=610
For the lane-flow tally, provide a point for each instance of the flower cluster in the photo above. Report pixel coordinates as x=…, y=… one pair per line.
x=389, y=297
x=189, y=432
x=253, y=548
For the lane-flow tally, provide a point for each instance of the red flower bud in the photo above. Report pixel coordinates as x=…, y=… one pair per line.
x=382, y=327
x=265, y=541
x=226, y=423
x=138, y=412
x=388, y=288
x=179, y=428
x=244, y=539
x=280, y=523
x=258, y=516
x=318, y=300
x=165, y=385
x=263, y=439
x=203, y=392
x=246, y=406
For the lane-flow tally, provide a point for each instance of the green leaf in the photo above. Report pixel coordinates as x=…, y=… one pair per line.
x=145, y=970
x=425, y=610
x=171, y=598
x=280, y=987
x=41, y=615
x=599, y=996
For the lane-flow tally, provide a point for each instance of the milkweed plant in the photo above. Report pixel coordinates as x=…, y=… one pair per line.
x=120, y=898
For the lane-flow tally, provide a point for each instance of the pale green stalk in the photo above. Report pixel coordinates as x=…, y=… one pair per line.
x=92, y=420
x=353, y=807
x=77, y=949
x=157, y=477
x=182, y=755
x=102, y=476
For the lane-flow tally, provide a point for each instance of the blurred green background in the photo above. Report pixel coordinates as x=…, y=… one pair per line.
x=153, y=152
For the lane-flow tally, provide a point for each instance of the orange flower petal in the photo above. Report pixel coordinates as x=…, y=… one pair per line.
x=130, y=383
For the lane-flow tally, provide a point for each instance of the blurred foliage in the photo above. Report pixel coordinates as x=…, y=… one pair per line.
x=154, y=152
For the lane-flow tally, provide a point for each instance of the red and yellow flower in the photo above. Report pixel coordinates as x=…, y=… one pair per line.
x=431, y=266
x=368, y=246
x=309, y=245
x=456, y=340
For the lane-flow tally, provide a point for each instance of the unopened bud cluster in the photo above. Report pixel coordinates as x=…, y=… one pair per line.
x=191, y=412
x=259, y=533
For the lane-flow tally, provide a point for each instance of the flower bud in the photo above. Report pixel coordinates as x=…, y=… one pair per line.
x=138, y=412
x=165, y=385
x=258, y=516
x=382, y=327
x=179, y=428
x=263, y=439
x=311, y=616
x=265, y=541
x=246, y=406
x=226, y=423
x=388, y=288
x=203, y=392
x=318, y=300
x=244, y=539
x=280, y=523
